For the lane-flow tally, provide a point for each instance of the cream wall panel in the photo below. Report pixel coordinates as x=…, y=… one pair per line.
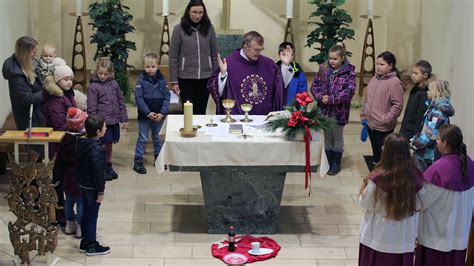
x=14, y=23
x=447, y=42
x=260, y=15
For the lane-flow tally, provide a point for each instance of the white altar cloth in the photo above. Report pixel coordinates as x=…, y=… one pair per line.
x=262, y=148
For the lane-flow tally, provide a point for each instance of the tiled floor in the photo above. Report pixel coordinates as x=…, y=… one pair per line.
x=160, y=220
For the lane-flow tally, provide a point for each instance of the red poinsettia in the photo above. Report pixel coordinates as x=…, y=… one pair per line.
x=296, y=118
x=303, y=98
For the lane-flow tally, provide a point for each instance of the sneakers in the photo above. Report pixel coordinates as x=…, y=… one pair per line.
x=139, y=167
x=96, y=249
x=71, y=227
x=78, y=231
x=93, y=249
x=83, y=246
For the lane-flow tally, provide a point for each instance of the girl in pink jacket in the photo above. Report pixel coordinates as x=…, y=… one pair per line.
x=383, y=102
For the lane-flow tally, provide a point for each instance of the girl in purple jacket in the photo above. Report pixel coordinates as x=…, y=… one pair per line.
x=333, y=88
x=104, y=98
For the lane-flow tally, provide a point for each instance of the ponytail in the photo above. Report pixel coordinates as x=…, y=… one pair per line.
x=463, y=157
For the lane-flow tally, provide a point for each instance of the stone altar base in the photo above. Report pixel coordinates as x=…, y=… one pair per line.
x=247, y=197
x=249, y=200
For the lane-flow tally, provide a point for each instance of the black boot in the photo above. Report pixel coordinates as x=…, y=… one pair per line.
x=110, y=172
x=336, y=163
x=329, y=156
x=139, y=167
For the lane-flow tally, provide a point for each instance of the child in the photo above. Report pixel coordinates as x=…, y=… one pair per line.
x=438, y=113
x=105, y=98
x=58, y=98
x=444, y=226
x=293, y=75
x=383, y=102
x=333, y=88
x=152, y=97
x=67, y=153
x=46, y=65
x=416, y=105
x=390, y=198
x=90, y=172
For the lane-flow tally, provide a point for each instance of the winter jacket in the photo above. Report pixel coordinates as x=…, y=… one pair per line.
x=192, y=56
x=152, y=95
x=297, y=84
x=23, y=94
x=340, y=86
x=438, y=114
x=67, y=154
x=384, y=102
x=106, y=99
x=414, y=111
x=90, y=167
x=56, y=104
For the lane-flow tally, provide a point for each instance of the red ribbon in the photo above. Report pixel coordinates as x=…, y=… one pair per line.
x=307, y=175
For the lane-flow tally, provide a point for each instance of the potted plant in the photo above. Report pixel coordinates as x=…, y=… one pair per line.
x=332, y=28
x=111, y=20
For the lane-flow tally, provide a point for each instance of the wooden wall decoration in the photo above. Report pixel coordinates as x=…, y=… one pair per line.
x=33, y=201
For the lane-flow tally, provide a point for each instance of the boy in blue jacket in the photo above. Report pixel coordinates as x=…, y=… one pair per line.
x=293, y=75
x=153, y=98
x=90, y=174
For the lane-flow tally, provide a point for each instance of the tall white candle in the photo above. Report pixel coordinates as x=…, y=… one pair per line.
x=289, y=8
x=370, y=9
x=188, y=117
x=166, y=7
x=78, y=8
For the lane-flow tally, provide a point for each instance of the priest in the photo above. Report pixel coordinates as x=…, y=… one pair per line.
x=246, y=76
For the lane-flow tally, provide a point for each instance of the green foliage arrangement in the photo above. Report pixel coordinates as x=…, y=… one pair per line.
x=111, y=20
x=297, y=119
x=332, y=28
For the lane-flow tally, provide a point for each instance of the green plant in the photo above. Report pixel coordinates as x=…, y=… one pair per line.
x=297, y=118
x=333, y=28
x=111, y=20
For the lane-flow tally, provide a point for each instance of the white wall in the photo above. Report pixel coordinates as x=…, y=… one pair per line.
x=14, y=23
x=447, y=42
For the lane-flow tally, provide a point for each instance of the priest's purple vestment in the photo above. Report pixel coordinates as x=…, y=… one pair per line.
x=258, y=82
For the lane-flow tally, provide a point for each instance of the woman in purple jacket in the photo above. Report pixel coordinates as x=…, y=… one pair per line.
x=104, y=98
x=333, y=88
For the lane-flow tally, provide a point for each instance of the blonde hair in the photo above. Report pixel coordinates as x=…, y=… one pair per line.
x=23, y=49
x=440, y=89
x=48, y=47
x=151, y=57
x=105, y=62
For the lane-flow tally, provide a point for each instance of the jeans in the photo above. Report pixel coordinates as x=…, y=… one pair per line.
x=376, y=140
x=334, y=138
x=69, y=208
x=90, y=214
x=144, y=126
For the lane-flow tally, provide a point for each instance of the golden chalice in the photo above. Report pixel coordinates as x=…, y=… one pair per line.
x=228, y=105
x=246, y=107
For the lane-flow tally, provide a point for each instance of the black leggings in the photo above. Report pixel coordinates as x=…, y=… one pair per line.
x=196, y=92
x=376, y=139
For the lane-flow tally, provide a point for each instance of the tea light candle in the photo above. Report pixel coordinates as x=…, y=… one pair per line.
x=188, y=117
x=166, y=8
x=289, y=8
x=78, y=8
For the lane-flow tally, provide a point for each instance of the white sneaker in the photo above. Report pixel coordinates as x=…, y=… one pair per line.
x=71, y=227
x=78, y=231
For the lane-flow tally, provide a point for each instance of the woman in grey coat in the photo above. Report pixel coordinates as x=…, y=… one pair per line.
x=193, y=56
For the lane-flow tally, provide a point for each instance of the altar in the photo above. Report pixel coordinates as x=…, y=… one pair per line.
x=242, y=175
